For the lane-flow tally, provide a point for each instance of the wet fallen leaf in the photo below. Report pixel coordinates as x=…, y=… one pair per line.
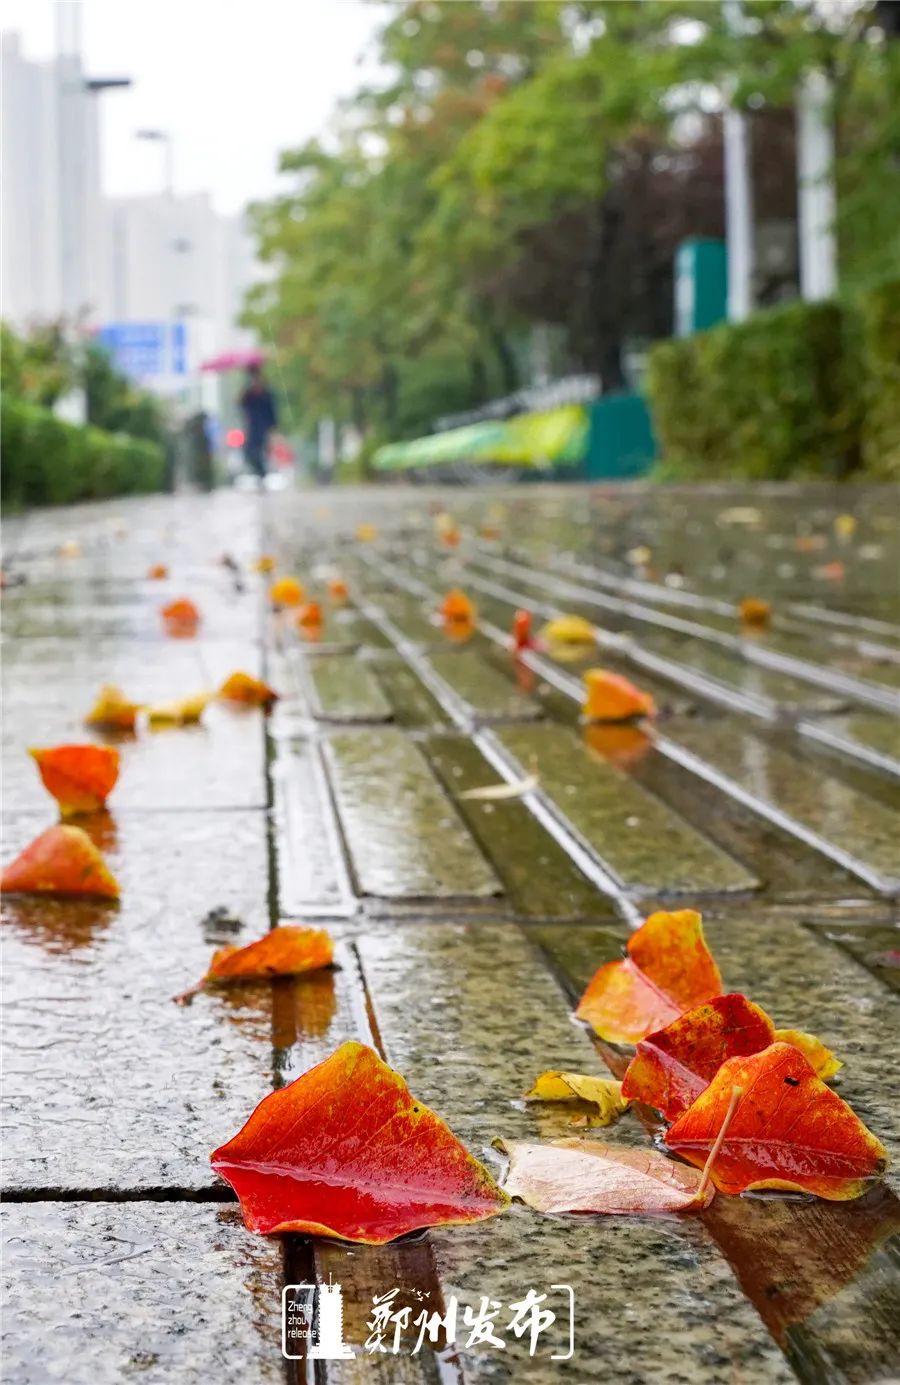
x=602, y=1092
x=489, y=532
x=181, y=618
x=845, y=526
x=337, y=589
x=456, y=606
x=496, y=793
x=287, y=591
x=820, y=1059
x=62, y=861
x=113, y=710
x=285, y=951
x=80, y=777
x=640, y=556
x=309, y=615
x=610, y=697
x=789, y=1130
x=185, y=711
x=673, y=1066
x=243, y=687
x=345, y=1151
x=576, y=1175
x=809, y=543
x=569, y=630
x=740, y=514
x=459, y=631
x=521, y=630
x=755, y=613
x=264, y=563
x=668, y=969
x=622, y=742
x=366, y=533
x=70, y=548
x=157, y=572
x=831, y=572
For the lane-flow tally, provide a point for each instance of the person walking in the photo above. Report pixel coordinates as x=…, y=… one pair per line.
x=260, y=417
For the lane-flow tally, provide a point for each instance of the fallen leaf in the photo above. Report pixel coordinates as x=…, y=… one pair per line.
x=70, y=548
x=831, y=572
x=668, y=969
x=496, y=793
x=789, y=1130
x=112, y=710
x=264, y=563
x=345, y=1151
x=576, y=1175
x=845, y=526
x=640, y=556
x=285, y=951
x=521, y=630
x=822, y=1061
x=62, y=861
x=755, y=613
x=569, y=630
x=809, y=543
x=610, y=697
x=601, y=1092
x=459, y=631
x=456, y=606
x=366, y=533
x=740, y=514
x=157, y=572
x=489, y=532
x=181, y=618
x=185, y=711
x=309, y=615
x=622, y=742
x=287, y=591
x=243, y=687
x=337, y=589
x=80, y=777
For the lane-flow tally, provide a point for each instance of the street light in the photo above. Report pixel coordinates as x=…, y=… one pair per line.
x=163, y=137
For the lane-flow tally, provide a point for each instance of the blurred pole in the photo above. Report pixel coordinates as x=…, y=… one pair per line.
x=738, y=194
x=816, y=203
x=70, y=151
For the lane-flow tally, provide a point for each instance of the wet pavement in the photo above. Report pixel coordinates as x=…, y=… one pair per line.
x=766, y=793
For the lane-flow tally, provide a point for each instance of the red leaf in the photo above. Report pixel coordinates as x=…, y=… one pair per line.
x=285, y=951
x=672, y=1067
x=586, y=1176
x=346, y=1151
x=63, y=861
x=668, y=969
x=789, y=1130
x=78, y=776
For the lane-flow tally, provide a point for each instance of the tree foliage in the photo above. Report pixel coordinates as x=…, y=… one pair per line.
x=526, y=165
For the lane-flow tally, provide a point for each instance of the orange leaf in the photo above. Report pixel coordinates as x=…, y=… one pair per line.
x=521, y=630
x=309, y=616
x=366, y=532
x=243, y=687
x=346, y=1151
x=285, y=951
x=63, y=861
x=181, y=618
x=755, y=613
x=789, y=1130
x=456, y=606
x=575, y=1175
x=610, y=697
x=668, y=969
x=78, y=776
x=287, y=591
x=112, y=710
x=157, y=572
x=337, y=589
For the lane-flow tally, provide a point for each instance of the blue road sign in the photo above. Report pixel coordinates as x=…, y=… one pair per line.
x=144, y=350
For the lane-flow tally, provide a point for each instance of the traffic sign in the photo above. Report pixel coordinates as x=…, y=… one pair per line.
x=147, y=350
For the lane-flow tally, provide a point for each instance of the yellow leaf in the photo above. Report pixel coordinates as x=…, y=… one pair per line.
x=183, y=712
x=820, y=1059
x=601, y=1092
x=569, y=630
x=497, y=792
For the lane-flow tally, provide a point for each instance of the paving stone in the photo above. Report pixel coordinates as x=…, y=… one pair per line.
x=107, y=1084
x=99, y=1293
x=405, y=837
x=491, y=695
x=313, y=878
x=414, y=706
x=643, y=842
x=345, y=689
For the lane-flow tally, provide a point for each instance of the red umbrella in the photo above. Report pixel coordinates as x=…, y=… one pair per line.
x=234, y=360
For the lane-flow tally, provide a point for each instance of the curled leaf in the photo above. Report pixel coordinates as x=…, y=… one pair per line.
x=185, y=711
x=346, y=1151
x=113, y=711
x=62, y=861
x=80, y=777
x=287, y=591
x=755, y=613
x=243, y=687
x=668, y=969
x=789, y=1130
x=456, y=606
x=285, y=951
x=610, y=697
x=157, y=572
x=601, y=1092
x=822, y=1061
x=181, y=618
x=496, y=793
x=585, y=1176
x=569, y=630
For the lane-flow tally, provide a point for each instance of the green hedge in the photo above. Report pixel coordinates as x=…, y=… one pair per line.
x=48, y=462
x=774, y=396
x=880, y=309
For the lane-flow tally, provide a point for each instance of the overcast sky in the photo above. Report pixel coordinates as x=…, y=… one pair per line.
x=234, y=80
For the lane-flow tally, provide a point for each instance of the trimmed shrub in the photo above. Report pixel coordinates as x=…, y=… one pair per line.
x=768, y=398
x=880, y=309
x=46, y=461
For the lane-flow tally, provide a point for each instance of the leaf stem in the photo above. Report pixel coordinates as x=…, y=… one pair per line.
x=736, y=1094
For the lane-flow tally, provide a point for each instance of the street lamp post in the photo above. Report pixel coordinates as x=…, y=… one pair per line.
x=164, y=138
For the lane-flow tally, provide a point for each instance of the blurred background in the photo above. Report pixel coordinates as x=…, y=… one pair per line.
x=596, y=239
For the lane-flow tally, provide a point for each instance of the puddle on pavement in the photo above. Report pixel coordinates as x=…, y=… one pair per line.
x=345, y=689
